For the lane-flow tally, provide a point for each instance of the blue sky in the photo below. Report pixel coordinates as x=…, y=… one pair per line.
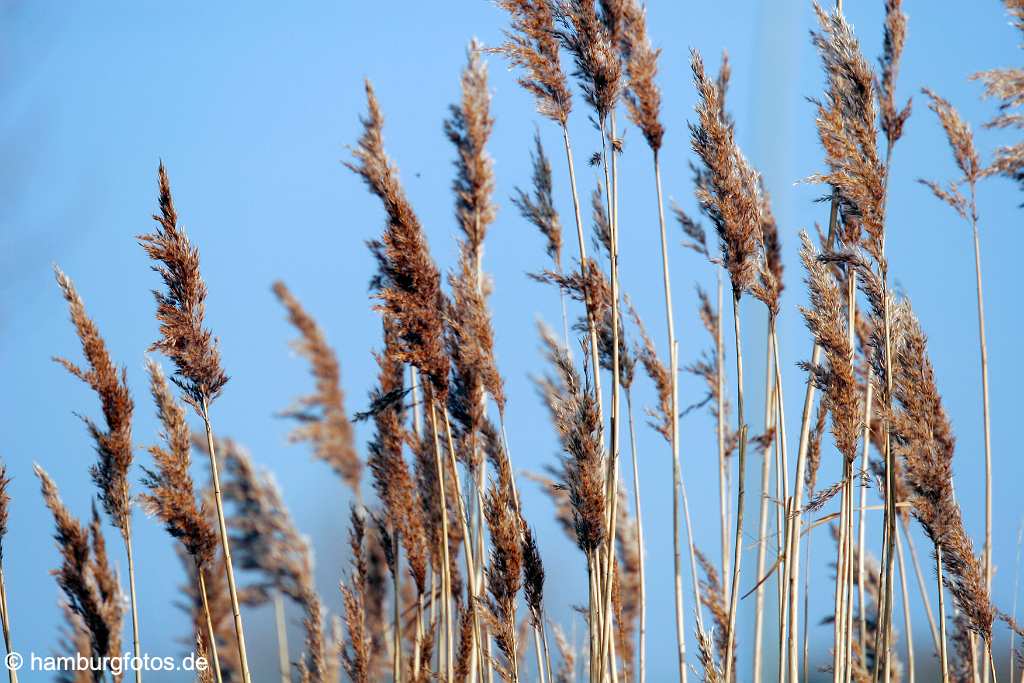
x=251, y=107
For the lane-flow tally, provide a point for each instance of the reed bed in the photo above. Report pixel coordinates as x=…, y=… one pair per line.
x=445, y=579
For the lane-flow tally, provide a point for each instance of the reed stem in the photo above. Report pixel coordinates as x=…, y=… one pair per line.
x=641, y=548
x=236, y=612
x=740, y=478
x=12, y=674
x=212, y=635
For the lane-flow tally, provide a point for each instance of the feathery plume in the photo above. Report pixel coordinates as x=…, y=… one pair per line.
x=181, y=309
x=922, y=427
x=587, y=38
x=539, y=209
x=321, y=415
x=730, y=193
x=531, y=45
x=113, y=444
x=355, y=655
x=85, y=576
x=409, y=284
x=961, y=141
x=172, y=498
x=643, y=97
x=894, y=36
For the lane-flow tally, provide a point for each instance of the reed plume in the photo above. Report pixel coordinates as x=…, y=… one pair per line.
x=114, y=443
x=538, y=206
x=922, y=427
x=5, y=615
x=1007, y=86
x=181, y=310
x=531, y=45
x=267, y=541
x=961, y=142
x=356, y=654
x=321, y=415
x=585, y=35
x=89, y=584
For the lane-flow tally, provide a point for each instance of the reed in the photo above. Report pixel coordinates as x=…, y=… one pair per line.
x=5, y=503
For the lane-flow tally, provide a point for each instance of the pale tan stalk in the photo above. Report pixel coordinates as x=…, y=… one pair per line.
x=793, y=509
x=942, y=616
x=236, y=612
x=740, y=477
x=539, y=655
x=723, y=466
x=907, y=625
x=861, y=517
x=839, y=607
x=446, y=588
x=612, y=476
x=127, y=535
x=211, y=634
x=782, y=473
x=591, y=324
x=676, y=474
x=641, y=549
x=921, y=585
x=762, y=536
x=396, y=577
x=11, y=673
x=983, y=351
x=283, y=667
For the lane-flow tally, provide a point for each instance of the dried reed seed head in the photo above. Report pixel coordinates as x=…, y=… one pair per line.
x=321, y=415
x=586, y=37
x=539, y=209
x=697, y=238
x=468, y=128
x=113, y=444
x=5, y=503
x=602, y=228
x=661, y=419
x=574, y=413
x=85, y=577
x=847, y=129
x=505, y=571
x=533, y=577
x=961, y=142
x=713, y=597
x=731, y=195
x=531, y=45
x=181, y=308
x=264, y=537
x=643, y=97
x=1007, y=85
x=470, y=345
x=172, y=498
x=894, y=36
x=922, y=426
x=826, y=319
x=768, y=288
x=391, y=478
x=814, y=447
x=409, y=284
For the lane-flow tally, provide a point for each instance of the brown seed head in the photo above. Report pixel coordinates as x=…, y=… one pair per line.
x=643, y=97
x=531, y=44
x=113, y=444
x=587, y=38
x=539, y=209
x=172, y=498
x=181, y=308
x=409, y=285
x=321, y=415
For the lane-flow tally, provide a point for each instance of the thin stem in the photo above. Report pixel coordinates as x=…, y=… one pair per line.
x=723, y=466
x=641, y=550
x=283, y=666
x=396, y=576
x=942, y=616
x=740, y=477
x=212, y=635
x=766, y=475
x=906, y=609
x=236, y=612
x=983, y=351
x=861, y=518
x=12, y=674
x=127, y=536
x=793, y=507
x=446, y=588
x=676, y=469
x=921, y=585
x=539, y=654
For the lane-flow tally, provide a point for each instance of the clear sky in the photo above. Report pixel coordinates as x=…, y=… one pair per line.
x=251, y=107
